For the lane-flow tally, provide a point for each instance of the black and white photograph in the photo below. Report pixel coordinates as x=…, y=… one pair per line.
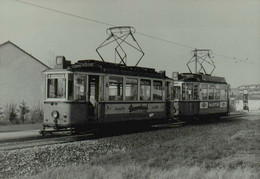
x=121, y=89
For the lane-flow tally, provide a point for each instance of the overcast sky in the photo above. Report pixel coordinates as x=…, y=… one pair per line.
x=227, y=27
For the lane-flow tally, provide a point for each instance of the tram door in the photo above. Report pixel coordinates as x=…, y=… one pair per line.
x=93, y=96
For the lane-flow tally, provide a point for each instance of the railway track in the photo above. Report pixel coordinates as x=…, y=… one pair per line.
x=67, y=138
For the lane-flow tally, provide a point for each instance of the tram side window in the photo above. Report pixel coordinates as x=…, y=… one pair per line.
x=145, y=90
x=80, y=87
x=211, y=92
x=131, y=86
x=196, y=92
x=115, y=88
x=204, y=92
x=56, y=88
x=157, y=90
x=223, y=92
x=217, y=92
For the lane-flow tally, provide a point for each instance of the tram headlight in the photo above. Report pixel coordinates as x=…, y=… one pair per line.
x=55, y=114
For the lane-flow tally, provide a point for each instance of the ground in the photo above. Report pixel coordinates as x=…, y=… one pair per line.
x=226, y=149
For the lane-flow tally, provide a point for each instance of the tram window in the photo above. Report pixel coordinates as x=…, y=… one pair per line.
x=211, y=92
x=184, y=91
x=196, y=92
x=175, y=93
x=223, y=92
x=204, y=92
x=80, y=87
x=217, y=92
x=70, y=87
x=131, y=89
x=115, y=88
x=56, y=88
x=157, y=90
x=189, y=95
x=145, y=90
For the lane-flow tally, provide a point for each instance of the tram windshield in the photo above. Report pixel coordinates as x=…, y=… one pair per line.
x=56, y=86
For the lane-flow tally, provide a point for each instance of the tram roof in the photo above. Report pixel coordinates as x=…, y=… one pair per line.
x=201, y=78
x=113, y=68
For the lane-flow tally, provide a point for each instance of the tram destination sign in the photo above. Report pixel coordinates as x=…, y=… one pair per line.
x=214, y=104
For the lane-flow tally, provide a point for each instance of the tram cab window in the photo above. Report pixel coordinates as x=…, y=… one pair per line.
x=157, y=90
x=70, y=87
x=211, y=92
x=187, y=91
x=223, y=92
x=115, y=88
x=131, y=86
x=184, y=91
x=145, y=90
x=189, y=95
x=176, y=93
x=56, y=88
x=80, y=87
x=217, y=92
x=204, y=92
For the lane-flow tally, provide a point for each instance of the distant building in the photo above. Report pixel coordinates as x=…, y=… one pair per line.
x=246, y=96
x=21, y=76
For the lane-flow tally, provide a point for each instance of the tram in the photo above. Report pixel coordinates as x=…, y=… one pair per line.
x=93, y=92
x=200, y=95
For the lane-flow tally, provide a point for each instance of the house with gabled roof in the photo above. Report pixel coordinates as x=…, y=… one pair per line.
x=21, y=77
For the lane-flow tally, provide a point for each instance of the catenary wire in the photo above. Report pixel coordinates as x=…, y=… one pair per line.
x=236, y=60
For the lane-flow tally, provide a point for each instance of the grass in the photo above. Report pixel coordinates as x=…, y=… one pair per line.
x=228, y=149
x=137, y=171
x=19, y=127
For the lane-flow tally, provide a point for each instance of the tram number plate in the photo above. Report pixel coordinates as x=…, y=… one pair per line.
x=213, y=104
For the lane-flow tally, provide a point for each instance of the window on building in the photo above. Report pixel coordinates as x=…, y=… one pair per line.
x=211, y=92
x=115, y=88
x=131, y=86
x=145, y=90
x=56, y=88
x=80, y=87
x=204, y=92
x=157, y=90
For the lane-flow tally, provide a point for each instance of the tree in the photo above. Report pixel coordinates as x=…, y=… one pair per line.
x=23, y=111
x=11, y=114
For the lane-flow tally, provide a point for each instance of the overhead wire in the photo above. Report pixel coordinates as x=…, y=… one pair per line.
x=236, y=60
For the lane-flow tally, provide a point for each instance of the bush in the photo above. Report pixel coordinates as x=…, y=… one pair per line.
x=10, y=114
x=36, y=114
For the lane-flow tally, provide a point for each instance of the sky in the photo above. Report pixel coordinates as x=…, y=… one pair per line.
x=230, y=28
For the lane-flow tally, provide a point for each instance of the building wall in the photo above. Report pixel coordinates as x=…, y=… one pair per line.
x=253, y=105
x=21, y=77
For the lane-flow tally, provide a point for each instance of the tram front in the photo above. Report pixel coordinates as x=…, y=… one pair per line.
x=65, y=104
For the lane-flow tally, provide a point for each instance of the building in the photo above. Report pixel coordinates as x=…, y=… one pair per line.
x=21, y=77
x=246, y=96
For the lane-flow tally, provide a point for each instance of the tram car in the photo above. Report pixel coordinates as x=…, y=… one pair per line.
x=92, y=92
x=200, y=95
